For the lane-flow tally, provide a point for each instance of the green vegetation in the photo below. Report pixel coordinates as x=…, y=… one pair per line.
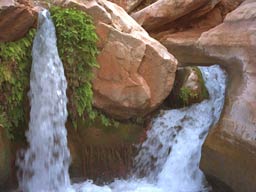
x=15, y=62
x=77, y=48
x=186, y=94
x=204, y=91
x=76, y=39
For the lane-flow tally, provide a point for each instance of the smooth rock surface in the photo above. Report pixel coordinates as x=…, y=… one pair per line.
x=15, y=19
x=165, y=11
x=229, y=152
x=128, y=5
x=136, y=72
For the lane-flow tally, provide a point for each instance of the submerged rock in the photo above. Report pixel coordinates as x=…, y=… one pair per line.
x=136, y=72
x=189, y=88
x=16, y=18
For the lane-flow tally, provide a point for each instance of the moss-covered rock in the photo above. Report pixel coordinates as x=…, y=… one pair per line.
x=189, y=88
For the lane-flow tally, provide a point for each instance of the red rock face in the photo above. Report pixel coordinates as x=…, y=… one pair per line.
x=164, y=11
x=136, y=72
x=15, y=19
x=128, y=5
x=228, y=154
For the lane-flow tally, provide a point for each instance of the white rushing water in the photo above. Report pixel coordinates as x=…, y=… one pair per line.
x=44, y=166
x=169, y=157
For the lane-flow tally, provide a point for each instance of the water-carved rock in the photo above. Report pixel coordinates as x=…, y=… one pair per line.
x=229, y=152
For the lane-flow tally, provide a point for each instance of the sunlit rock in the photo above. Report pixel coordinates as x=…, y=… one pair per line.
x=136, y=72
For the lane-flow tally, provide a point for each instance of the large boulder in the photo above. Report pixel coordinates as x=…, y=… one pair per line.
x=165, y=11
x=128, y=5
x=136, y=72
x=16, y=18
x=229, y=152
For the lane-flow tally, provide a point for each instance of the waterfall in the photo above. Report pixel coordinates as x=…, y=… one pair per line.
x=44, y=166
x=169, y=157
x=171, y=153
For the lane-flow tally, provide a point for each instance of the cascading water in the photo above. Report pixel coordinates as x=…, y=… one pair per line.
x=44, y=166
x=169, y=157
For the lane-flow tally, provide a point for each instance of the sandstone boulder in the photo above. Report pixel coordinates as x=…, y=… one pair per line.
x=164, y=11
x=136, y=72
x=15, y=19
x=182, y=43
x=128, y=5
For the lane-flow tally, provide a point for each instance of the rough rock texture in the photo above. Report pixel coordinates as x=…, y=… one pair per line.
x=5, y=167
x=189, y=88
x=136, y=72
x=101, y=153
x=16, y=18
x=229, y=152
x=165, y=11
x=128, y=5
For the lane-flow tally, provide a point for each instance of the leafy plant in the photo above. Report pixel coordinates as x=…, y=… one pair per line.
x=15, y=59
x=76, y=39
x=184, y=95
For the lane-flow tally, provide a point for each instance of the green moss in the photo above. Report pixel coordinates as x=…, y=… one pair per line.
x=15, y=62
x=76, y=39
x=205, y=93
x=185, y=94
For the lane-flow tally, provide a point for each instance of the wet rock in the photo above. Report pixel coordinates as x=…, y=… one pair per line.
x=231, y=144
x=103, y=153
x=189, y=88
x=16, y=18
x=229, y=152
x=136, y=72
x=5, y=166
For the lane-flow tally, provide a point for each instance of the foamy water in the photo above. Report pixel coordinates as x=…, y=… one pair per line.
x=169, y=157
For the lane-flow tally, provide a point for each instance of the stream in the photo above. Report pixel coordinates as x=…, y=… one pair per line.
x=169, y=157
